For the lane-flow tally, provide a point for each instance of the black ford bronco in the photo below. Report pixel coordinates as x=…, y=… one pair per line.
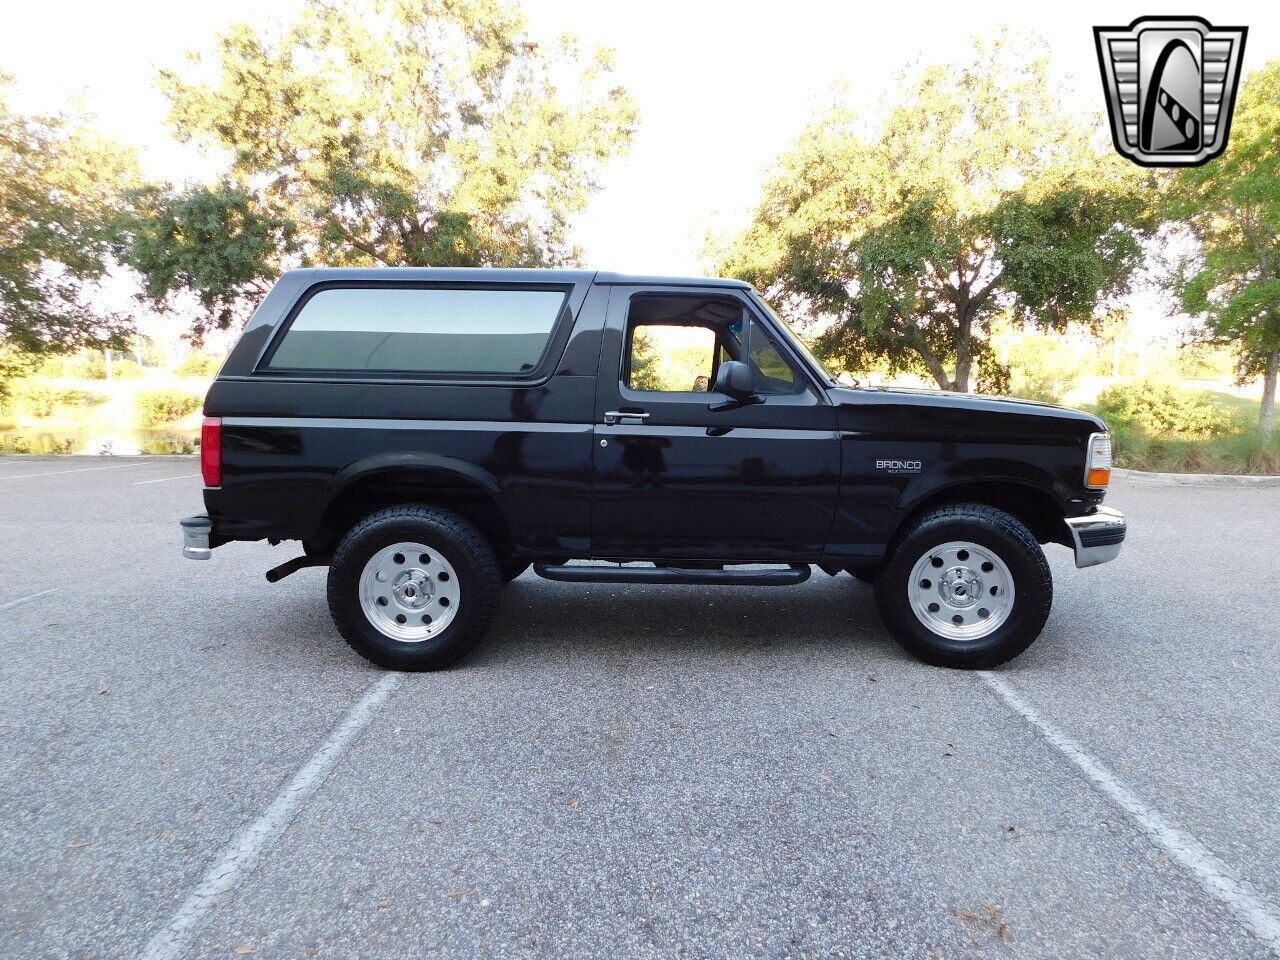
x=428, y=434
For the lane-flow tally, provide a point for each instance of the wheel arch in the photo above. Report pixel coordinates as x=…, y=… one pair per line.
x=387, y=480
x=1032, y=505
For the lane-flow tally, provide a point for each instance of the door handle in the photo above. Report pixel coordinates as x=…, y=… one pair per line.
x=617, y=416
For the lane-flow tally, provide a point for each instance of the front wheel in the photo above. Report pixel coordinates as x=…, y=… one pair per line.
x=413, y=587
x=968, y=586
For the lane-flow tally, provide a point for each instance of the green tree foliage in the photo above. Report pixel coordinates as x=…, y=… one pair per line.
x=1232, y=207
x=60, y=189
x=372, y=132
x=976, y=195
x=217, y=244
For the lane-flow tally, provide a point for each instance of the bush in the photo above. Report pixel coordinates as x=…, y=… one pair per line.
x=200, y=365
x=72, y=366
x=1162, y=410
x=156, y=408
x=1042, y=368
x=121, y=368
x=38, y=399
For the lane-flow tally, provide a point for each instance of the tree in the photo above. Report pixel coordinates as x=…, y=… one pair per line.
x=976, y=195
x=1231, y=206
x=383, y=132
x=61, y=189
x=215, y=243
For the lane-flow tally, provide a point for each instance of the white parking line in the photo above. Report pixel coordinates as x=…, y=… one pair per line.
x=55, y=473
x=1214, y=876
x=28, y=598
x=238, y=859
x=185, y=476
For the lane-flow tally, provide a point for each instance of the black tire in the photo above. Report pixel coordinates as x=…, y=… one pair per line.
x=512, y=567
x=866, y=576
x=466, y=549
x=993, y=530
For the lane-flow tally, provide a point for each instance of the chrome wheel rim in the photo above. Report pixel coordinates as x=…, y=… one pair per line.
x=409, y=592
x=961, y=591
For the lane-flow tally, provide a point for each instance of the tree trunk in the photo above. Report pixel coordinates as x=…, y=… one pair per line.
x=964, y=354
x=1267, y=413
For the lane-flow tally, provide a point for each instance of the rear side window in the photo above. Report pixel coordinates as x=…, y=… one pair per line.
x=421, y=330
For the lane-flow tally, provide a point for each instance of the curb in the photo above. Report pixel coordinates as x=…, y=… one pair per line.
x=1145, y=478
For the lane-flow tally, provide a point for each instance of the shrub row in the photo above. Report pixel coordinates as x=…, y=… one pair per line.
x=1162, y=409
x=159, y=407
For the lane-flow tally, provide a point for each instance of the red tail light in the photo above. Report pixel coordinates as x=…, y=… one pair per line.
x=211, y=451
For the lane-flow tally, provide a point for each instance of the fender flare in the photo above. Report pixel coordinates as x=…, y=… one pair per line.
x=1044, y=487
x=394, y=462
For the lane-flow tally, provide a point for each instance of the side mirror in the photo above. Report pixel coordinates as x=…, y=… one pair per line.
x=734, y=380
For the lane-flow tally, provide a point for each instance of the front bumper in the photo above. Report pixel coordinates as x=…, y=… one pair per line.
x=1097, y=536
x=195, y=537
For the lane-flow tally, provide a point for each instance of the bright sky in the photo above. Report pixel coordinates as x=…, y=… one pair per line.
x=722, y=87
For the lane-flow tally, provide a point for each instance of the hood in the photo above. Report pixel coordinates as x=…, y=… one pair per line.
x=1029, y=416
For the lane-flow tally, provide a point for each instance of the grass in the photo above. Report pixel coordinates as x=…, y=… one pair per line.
x=1238, y=454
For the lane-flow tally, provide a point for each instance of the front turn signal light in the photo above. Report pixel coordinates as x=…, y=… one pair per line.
x=1097, y=462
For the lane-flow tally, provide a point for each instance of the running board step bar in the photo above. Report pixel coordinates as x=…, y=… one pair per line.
x=593, y=573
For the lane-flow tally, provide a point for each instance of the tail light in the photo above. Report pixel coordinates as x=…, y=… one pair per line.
x=1097, y=464
x=211, y=451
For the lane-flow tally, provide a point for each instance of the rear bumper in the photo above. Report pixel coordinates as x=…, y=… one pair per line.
x=195, y=537
x=1097, y=536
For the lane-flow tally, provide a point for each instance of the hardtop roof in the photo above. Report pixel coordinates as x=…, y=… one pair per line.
x=504, y=275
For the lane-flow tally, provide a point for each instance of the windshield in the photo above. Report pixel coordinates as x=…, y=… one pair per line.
x=796, y=342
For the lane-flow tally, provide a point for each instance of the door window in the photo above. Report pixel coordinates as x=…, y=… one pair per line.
x=672, y=358
x=675, y=344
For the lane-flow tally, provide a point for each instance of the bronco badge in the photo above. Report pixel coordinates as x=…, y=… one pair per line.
x=899, y=466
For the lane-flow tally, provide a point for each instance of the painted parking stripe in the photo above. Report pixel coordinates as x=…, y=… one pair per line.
x=185, y=476
x=55, y=473
x=1217, y=879
x=28, y=598
x=238, y=859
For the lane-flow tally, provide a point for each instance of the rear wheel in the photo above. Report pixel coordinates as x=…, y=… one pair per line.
x=968, y=586
x=413, y=587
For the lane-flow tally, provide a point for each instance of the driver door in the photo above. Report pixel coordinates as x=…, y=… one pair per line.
x=681, y=472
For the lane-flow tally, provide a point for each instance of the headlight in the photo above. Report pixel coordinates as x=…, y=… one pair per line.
x=1097, y=461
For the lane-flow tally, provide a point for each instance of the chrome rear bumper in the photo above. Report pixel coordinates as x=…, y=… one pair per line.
x=195, y=537
x=1097, y=536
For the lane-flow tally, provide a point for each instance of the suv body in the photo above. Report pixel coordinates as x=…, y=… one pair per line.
x=554, y=416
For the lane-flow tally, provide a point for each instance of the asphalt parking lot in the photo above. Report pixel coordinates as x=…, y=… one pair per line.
x=193, y=764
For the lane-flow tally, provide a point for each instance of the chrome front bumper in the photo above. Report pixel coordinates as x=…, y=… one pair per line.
x=1097, y=536
x=195, y=537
